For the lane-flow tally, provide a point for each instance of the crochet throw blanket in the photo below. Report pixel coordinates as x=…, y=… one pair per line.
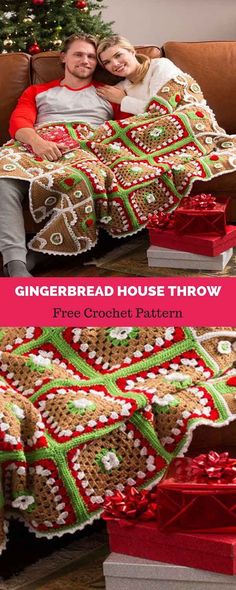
x=86, y=412
x=117, y=175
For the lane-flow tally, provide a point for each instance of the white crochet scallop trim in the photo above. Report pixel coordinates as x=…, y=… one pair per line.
x=60, y=122
x=210, y=335
x=55, y=533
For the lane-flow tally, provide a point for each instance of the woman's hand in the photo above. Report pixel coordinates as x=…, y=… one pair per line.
x=111, y=93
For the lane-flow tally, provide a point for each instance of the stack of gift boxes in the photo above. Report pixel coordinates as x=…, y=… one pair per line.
x=195, y=236
x=188, y=519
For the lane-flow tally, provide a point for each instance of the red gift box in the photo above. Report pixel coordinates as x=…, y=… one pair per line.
x=192, y=219
x=204, y=244
x=198, y=495
x=214, y=552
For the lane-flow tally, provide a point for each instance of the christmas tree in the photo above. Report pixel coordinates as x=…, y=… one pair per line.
x=40, y=25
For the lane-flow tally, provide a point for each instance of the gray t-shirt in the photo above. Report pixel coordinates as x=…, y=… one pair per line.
x=61, y=103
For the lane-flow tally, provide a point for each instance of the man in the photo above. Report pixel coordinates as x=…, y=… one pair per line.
x=74, y=98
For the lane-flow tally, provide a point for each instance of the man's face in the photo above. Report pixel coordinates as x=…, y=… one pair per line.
x=80, y=60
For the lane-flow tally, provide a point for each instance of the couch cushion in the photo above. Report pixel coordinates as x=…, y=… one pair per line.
x=46, y=66
x=212, y=64
x=14, y=78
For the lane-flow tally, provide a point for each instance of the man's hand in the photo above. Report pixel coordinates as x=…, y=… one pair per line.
x=48, y=150
x=111, y=93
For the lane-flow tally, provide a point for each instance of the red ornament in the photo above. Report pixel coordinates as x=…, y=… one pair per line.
x=34, y=48
x=81, y=4
x=37, y=2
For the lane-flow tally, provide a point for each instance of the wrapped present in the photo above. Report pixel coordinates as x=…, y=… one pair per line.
x=202, y=244
x=201, y=214
x=213, y=552
x=199, y=494
x=132, y=526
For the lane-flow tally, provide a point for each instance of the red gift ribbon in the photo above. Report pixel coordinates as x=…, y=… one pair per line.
x=202, y=201
x=215, y=466
x=160, y=220
x=132, y=505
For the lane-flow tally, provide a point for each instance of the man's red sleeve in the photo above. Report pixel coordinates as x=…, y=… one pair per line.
x=118, y=114
x=25, y=113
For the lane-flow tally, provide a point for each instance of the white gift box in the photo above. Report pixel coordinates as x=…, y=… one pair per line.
x=123, y=572
x=164, y=257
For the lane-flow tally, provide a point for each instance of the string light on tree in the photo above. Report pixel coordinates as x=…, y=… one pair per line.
x=8, y=15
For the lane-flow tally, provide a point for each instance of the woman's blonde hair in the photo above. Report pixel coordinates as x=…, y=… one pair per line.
x=144, y=61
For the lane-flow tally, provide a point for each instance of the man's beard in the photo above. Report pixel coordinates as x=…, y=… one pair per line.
x=82, y=74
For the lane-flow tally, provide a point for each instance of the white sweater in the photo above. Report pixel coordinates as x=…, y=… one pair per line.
x=160, y=71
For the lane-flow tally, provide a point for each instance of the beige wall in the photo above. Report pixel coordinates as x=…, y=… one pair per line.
x=156, y=21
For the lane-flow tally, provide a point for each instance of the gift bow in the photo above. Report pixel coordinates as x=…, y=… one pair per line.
x=214, y=465
x=202, y=201
x=160, y=220
x=131, y=505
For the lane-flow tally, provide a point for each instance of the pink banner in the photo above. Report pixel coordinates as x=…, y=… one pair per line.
x=117, y=302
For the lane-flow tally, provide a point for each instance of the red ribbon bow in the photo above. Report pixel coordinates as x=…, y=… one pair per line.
x=160, y=220
x=214, y=465
x=132, y=505
x=202, y=201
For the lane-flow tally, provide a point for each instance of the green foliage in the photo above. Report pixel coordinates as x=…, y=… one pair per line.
x=23, y=23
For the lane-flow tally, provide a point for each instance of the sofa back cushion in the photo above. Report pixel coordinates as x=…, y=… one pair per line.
x=212, y=64
x=46, y=66
x=14, y=78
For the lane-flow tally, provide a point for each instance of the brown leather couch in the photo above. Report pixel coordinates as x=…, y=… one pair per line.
x=211, y=63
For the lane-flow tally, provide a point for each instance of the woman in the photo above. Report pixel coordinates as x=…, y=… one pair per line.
x=143, y=76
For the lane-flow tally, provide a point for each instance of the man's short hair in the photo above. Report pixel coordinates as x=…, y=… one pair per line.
x=79, y=37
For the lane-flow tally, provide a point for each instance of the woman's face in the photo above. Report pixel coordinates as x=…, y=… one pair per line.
x=119, y=61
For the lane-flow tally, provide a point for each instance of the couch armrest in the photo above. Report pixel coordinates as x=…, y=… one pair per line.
x=14, y=78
